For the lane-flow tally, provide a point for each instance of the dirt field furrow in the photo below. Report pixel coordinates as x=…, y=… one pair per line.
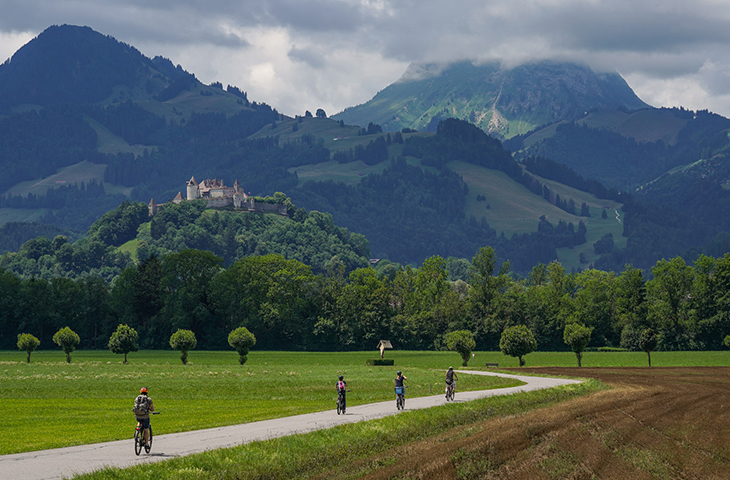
x=655, y=423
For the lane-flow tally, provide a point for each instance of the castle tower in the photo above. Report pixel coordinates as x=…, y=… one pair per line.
x=178, y=198
x=153, y=208
x=193, y=190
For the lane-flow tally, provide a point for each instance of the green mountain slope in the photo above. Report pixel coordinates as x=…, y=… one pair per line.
x=625, y=150
x=502, y=101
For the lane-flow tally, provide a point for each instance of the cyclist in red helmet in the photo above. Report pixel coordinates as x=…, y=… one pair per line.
x=142, y=408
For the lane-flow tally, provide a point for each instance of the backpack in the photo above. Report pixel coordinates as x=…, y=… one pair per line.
x=141, y=406
x=340, y=385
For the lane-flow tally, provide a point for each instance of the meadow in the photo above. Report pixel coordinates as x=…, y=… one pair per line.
x=48, y=397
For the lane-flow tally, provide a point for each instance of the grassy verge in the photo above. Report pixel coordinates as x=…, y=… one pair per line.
x=312, y=454
x=48, y=397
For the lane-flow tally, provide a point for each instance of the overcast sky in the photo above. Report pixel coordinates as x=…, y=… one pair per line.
x=299, y=55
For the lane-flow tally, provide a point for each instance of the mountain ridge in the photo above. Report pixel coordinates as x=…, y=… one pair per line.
x=504, y=102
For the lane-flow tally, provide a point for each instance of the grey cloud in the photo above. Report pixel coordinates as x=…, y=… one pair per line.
x=307, y=56
x=653, y=38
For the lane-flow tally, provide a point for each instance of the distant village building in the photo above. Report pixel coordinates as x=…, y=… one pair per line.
x=218, y=195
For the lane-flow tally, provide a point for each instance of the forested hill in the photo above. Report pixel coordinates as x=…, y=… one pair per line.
x=126, y=235
x=602, y=147
x=411, y=212
x=70, y=64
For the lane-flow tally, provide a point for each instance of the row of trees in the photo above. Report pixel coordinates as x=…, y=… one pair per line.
x=125, y=340
x=286, y=306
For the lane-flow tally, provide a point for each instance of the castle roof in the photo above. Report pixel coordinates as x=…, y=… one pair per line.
x=152, y=202
x=179, y=196
x=192, y=181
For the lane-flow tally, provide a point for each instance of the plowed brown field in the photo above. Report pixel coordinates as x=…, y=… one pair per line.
x=666, y=423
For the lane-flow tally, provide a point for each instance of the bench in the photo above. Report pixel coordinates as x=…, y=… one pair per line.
x=492, y=365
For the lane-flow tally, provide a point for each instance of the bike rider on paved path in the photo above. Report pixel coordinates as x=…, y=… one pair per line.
x=399, y=377
x=450, y=377
x=342, y=390
x=144, y=420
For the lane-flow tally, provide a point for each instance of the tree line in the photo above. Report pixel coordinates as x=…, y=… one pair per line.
x=288, y=307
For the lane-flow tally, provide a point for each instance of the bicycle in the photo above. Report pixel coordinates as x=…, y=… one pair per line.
x=139, y=442
x=340, y=406
x=400, y=397
x=450, y=389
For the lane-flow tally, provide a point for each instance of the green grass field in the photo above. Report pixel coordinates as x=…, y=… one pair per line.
x=47, y=397
x=80, y=172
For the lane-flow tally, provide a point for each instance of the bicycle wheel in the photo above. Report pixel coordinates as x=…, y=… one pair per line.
x=399, y=402
x=148, y=447
x=138, y=440
x=339, y=409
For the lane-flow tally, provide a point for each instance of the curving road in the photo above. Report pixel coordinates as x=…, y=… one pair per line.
x=66, y=462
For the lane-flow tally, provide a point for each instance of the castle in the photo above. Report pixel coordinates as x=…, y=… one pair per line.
x=217, y=195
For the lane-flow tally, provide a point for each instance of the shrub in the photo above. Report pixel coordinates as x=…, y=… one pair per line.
x=66, y=339
x=28, y=342
x=183, y=340
x=380, y=362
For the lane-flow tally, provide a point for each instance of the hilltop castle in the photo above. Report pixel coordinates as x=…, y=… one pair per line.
x=218, y=195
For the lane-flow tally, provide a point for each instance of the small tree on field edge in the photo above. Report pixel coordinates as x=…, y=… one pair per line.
x=123, y=341
x=577, y=336
x=183, y=340
x=517, y=341
x=726, y=341
x=461, y=341
x=66, y=339
x=242, y=340
x=648, y=342
x=28, y=342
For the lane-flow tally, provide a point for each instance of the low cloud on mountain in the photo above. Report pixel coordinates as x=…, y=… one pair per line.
x=336, y=53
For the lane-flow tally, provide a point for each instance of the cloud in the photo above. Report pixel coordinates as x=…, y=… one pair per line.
x=298, y=55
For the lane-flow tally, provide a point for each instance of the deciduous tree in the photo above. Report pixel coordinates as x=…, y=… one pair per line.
x=648, y=342
x=517, y=341
x=242, y=340
x=67, y=339
x=577, y=336
x=28, y=342
x=461, y=341
x=183, y=340
x=123, y=341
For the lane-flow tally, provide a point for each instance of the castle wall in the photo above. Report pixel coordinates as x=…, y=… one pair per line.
x=219, y=201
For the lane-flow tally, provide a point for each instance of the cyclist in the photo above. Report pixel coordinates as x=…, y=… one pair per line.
x=143, y=415
x=450, y=378
x=341, y=386
x=399, y=377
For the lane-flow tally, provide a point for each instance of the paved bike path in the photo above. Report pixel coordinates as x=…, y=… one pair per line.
x=66, y=462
